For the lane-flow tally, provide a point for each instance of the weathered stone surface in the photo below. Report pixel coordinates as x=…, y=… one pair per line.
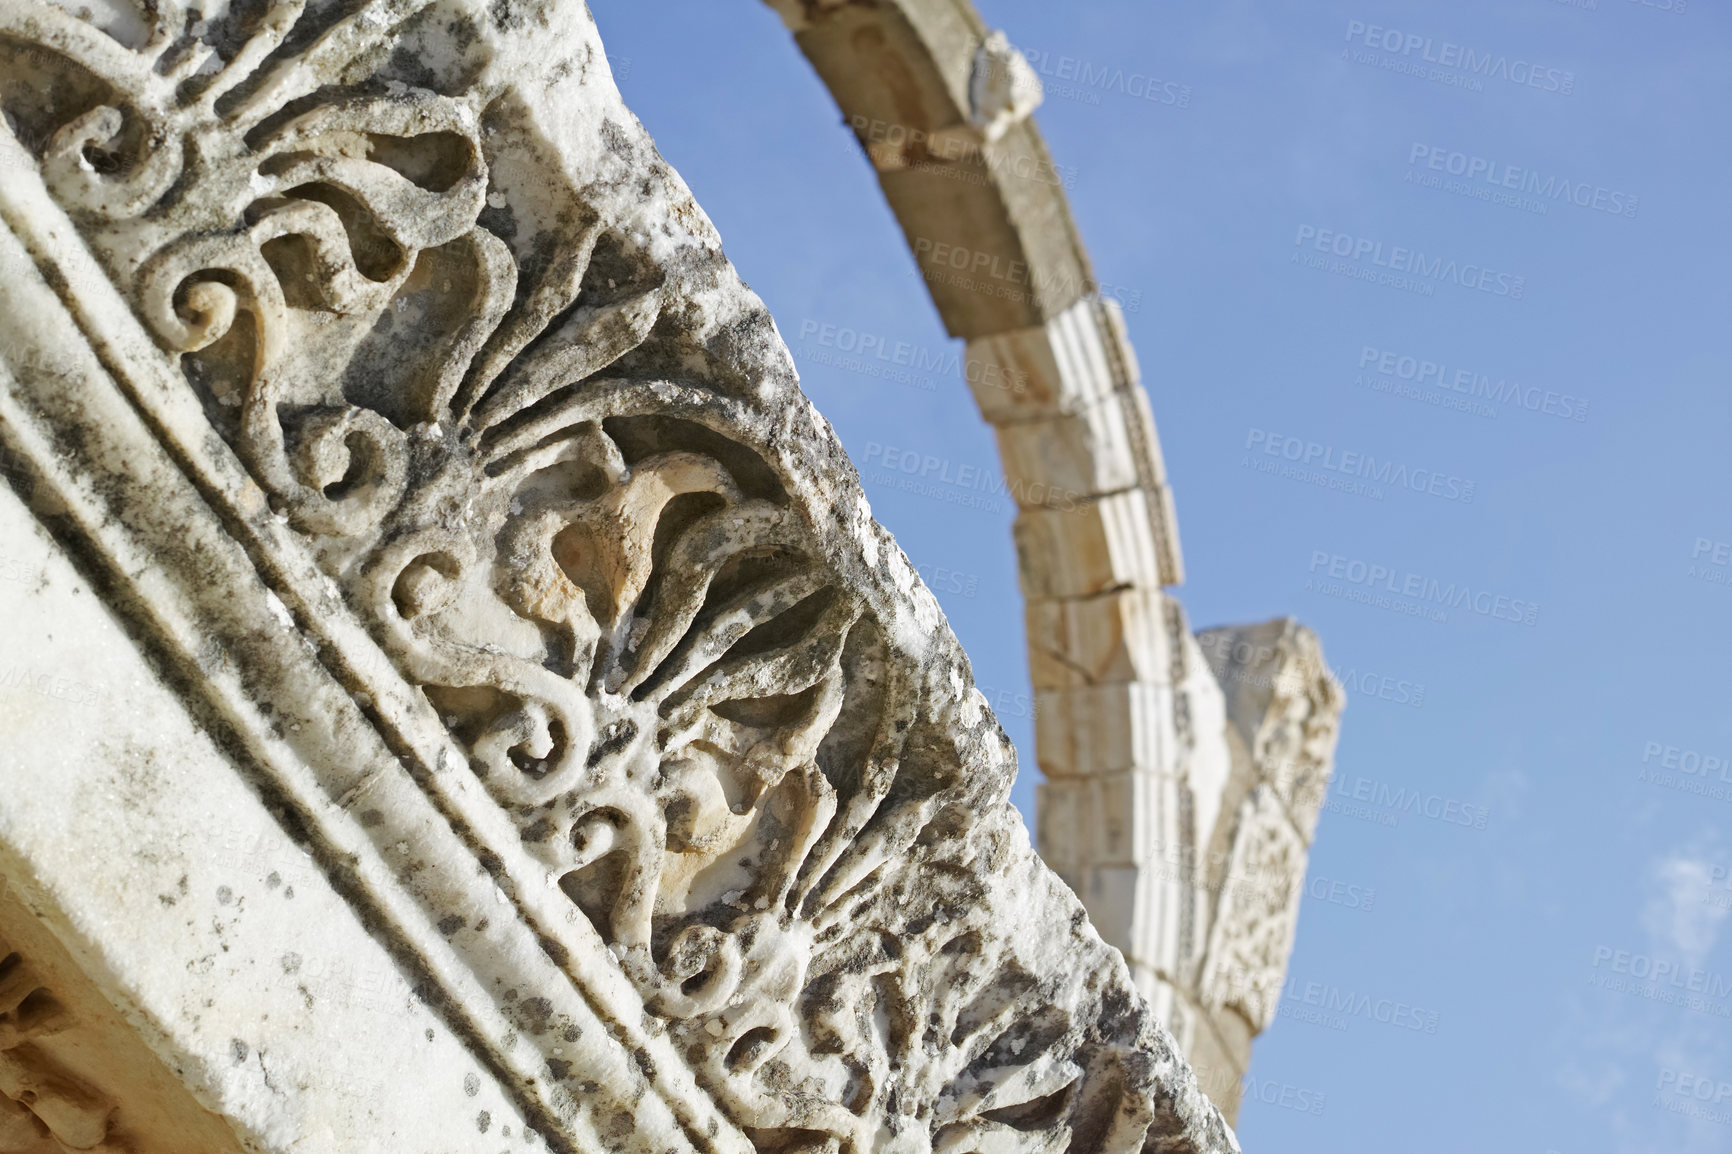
x=400, y=405
x=1283, y=709
x=158, y=900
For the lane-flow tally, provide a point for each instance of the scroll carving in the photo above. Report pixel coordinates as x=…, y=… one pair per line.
x=509, y=430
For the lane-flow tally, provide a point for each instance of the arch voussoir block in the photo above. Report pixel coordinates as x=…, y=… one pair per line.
x=1143, y=811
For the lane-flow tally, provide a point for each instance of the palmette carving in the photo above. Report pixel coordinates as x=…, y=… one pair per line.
x=561, y=486
x=699, y=739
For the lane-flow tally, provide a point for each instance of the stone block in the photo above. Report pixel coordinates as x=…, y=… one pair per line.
x=1102, y=544
x=1119, y=636
x=1060, y=366
x=1103, y=729
x=1055, y=462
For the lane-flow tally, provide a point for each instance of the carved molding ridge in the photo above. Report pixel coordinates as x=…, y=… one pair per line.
x=644, y=743
x=1284, y=712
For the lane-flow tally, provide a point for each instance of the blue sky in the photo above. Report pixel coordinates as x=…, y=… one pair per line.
x=1563, y=239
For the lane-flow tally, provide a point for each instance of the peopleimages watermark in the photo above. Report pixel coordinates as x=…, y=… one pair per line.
x=1073, y=78
x=46, y=684
x=974, y=486
x=1719, y=892
x=901, y=362
x=1463, y=390
x=1381, y=686
x=1287, y=1096
x=1317, y=1000
x=1216, y=1082
x=1379, y=802
x=947, y=494
x=991, y=274
x=1391, y=587
x=1660, y=980
x=1339, y=893
x=942, y=579
x=1216, y=872
x=955, y=155
x=1687, y=1093
x=1706, y=775
x=251, y=851
x=1355, y=681
x=357, y=985
x=1446, y=62
x=1711, y=562
x=1330, y=1006
x=1241, y=662
x=1398, y=267
x=1482, y=178
x=891, y=372
x=1017, y=703
x=1346, y=470
x=16, y=569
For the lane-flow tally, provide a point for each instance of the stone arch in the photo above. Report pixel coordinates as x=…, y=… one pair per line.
x=1158, y=793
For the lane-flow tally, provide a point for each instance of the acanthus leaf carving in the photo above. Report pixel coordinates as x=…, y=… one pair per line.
x=510, y=428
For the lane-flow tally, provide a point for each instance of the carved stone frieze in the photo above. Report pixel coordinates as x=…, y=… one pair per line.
x=487, y=524
x=1283, y=711
x=1256, y=911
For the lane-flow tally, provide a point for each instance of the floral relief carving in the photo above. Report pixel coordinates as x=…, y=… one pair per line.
x=504, y=426
x=1296, y=746
x=1257, y=912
